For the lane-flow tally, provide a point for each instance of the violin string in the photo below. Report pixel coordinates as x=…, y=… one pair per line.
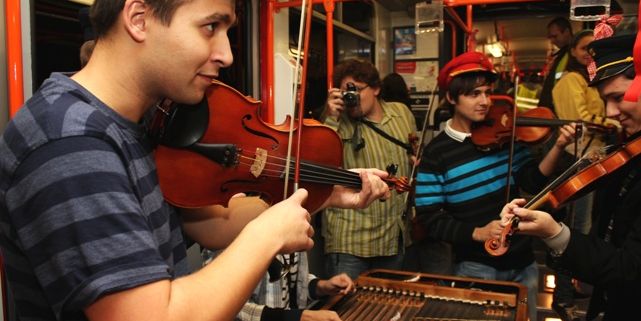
x=306, y=176
x=312, y=172
x=347, y=178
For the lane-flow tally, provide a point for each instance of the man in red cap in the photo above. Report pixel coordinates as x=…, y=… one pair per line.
x=460, y=189
x=610, y=256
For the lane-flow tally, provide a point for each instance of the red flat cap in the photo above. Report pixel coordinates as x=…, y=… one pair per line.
x=464, y=63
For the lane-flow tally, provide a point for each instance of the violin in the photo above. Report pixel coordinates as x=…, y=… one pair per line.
x=221, y=147
x=570, y=185
x=532, y=127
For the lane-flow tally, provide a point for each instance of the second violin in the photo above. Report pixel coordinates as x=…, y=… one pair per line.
x=582, y=177
x=532, y=126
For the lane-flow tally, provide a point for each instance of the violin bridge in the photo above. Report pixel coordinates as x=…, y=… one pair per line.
x=259, y=162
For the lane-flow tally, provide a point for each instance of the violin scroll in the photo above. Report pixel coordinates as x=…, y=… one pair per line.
x=498, y=247
x=399, y=184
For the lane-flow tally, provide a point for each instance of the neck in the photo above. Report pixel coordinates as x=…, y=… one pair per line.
x=461, y=124
x=120, y=88
x=376, y=114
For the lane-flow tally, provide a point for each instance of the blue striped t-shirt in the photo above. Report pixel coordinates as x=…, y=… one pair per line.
x=81, y=211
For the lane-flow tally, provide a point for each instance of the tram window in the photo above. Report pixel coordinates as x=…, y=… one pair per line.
x=56, y=29
x=350, y=46
x=358, y=15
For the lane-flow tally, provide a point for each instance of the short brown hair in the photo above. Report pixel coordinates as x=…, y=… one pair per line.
x=104, y=13
x=363, y=71
x=464, y=84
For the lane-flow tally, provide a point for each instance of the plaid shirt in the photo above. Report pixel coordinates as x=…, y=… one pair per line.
x=276, y=294
x=373, y=231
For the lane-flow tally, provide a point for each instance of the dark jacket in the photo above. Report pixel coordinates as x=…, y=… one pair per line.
x=613, y=266
x=545, y=99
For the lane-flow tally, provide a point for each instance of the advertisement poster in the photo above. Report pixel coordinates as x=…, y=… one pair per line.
x=420, y=75
x=404, y=41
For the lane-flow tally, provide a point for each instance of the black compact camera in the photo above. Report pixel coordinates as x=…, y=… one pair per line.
x=351, y=97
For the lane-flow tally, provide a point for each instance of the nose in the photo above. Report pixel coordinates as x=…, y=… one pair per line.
x=485, y=99
x=611, y=109
x=221, y=51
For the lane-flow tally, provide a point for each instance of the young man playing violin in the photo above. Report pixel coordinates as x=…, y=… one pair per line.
x=460, y=188
x=610, y=257
x=85, y=233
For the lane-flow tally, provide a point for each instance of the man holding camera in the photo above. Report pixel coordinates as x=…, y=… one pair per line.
x=375, y=133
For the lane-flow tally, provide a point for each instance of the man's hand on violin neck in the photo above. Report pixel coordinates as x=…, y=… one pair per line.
x=286, y=223
x=372, y=188
x=567, y=135
x=537, y=223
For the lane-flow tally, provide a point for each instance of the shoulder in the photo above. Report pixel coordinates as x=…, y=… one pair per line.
x=438, y=147
x=60, y=110
x=571, y=79
x=398, y=108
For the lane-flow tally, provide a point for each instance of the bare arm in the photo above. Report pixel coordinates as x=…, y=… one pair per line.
x=215, y=227
x=228, y=280
x=566, y=136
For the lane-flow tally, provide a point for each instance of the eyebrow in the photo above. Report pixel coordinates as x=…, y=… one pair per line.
x=223, y=17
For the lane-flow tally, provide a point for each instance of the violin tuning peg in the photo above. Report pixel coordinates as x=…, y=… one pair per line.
x=391, y=169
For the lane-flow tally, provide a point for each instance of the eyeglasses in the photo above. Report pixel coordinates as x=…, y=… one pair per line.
x=359, y=89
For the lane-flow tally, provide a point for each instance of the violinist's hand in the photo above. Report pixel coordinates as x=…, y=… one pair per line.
x=335, y=104
x=537, y=223
x=567, y=135
x=319, y=315
x=491, y=230
x=506, y=212
x=372, y=188
x=288, y=223
x=338, y=284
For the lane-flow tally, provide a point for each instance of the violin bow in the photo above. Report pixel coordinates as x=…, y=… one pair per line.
x=421, y=141
x=306, y=6
x=511, y=154
x=419, y=150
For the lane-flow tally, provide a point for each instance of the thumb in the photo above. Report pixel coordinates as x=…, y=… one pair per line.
x=299, y=196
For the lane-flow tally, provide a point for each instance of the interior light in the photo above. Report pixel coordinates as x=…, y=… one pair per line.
x=87, y=2
x=495, y=49
x=550, y=281
x=552, y=319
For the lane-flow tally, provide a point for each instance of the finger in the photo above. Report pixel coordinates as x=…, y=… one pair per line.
x=524, y=214
x=239, y=195
x=299, y=196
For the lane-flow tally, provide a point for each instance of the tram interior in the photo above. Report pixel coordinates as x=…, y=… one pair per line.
x=364, y=29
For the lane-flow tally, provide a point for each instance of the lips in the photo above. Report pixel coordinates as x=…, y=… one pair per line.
x=209, y=78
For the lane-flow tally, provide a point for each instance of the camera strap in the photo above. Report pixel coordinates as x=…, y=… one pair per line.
x=389, y=137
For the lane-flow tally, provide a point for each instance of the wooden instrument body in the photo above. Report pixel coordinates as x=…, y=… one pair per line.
x=389, y=294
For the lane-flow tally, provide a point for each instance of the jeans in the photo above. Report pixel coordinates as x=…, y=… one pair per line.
x=429, y=256
x=353, y=266
x=528, y=276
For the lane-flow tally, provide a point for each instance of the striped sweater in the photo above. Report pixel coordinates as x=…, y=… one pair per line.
x=460, y=188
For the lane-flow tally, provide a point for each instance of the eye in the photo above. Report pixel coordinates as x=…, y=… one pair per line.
x=213, y=26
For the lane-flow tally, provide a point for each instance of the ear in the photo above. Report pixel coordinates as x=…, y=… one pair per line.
x=449, y=99
x=135, y=13
x=377, y=91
